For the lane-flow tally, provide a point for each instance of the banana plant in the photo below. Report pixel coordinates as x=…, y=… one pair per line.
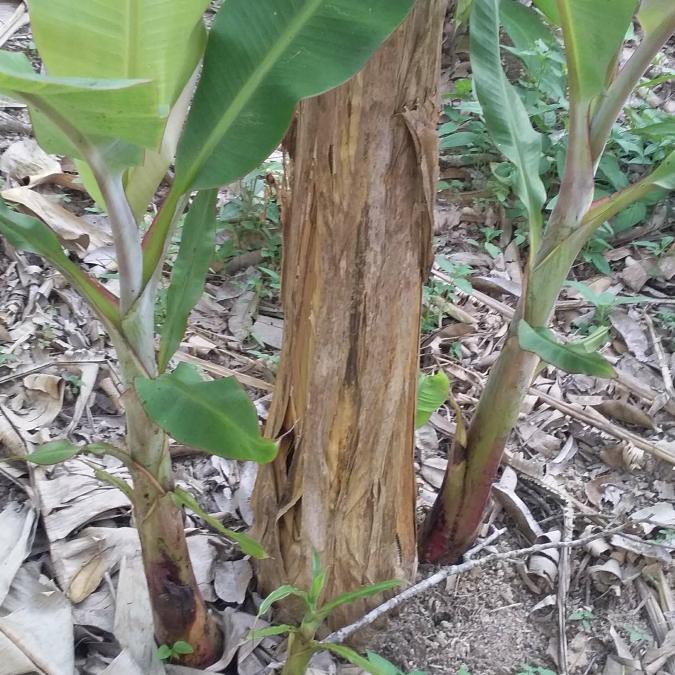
x=124, y=105
x=593, y=32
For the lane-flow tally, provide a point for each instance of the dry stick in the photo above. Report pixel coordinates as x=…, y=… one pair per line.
x=593, y=419
x=661, y=357
x=563, y=588
x=435, y=579
x=48, y=364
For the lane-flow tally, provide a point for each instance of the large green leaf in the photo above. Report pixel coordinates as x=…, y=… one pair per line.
x=217, y=416
x=124, y=109
x=29, y=234
x=549, y=9
x=432, y=392
x=653, y=13
x=261, y=59
x=593, y=31
x=664, y=174
x=158, y=40
x=189, y=272
x=505, y=114
x=569, y=357
x=529, y=32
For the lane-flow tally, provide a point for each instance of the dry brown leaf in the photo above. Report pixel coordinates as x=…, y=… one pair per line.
x=26, y=158
x=607, y=576
x=661, y=514
x=625, y=412
x=42, y=403
x=268, y=330
x=624, y=455
x=631, y=332
x=232, y=579
x=76, y=233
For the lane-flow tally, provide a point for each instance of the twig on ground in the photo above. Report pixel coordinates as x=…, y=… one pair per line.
x=661, y=358
x=506, y=311
x=48, y=364
x=462, y=568
x=222, y=371
x=484, y=543
x=563, y=588
x=594, y=419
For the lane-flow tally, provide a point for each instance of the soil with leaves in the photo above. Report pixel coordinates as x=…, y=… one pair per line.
x=587, y=452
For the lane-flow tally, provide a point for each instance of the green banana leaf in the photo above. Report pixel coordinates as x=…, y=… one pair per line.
x=262, y=57
x=593, y=32
x=505, y=114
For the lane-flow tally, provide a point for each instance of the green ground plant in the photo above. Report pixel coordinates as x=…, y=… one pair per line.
x=302, y=644
x=125, y=120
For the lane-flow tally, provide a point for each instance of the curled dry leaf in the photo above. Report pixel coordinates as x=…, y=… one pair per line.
x=81, y=563
x=76, y=233
x=25, y=158
x=433, y=470
x=43, y=402
x=661, y=514
x=607, y=576
x=232, y=579
x=630, y=330
x=516, y=508
x=542, y=567
x=34, y=601
x=17, y=530
x=623, y=455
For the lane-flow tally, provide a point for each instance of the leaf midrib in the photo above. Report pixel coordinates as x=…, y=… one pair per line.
x=247, y=90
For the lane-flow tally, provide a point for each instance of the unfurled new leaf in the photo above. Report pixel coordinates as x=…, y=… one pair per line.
x=260, y=633
x=279, y=594
x=569, y=357
x=505, y=114
x=363, y=592
x=216, y=417
x=54, y=452
x=432, y=392
x=247, y=544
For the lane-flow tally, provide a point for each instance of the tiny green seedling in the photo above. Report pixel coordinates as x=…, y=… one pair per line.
x=605, y=302
x=636, y=635
x=301, y=642
x=175, y=651
x=583, y=616
x=657, y=248
x=527, y=669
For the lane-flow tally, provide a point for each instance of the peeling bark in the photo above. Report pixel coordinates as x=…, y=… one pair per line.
x=357, y=247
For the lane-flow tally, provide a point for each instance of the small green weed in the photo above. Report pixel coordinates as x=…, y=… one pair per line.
x=175, y=651
x=301, y=638
x=583, y=616
x=527, y=669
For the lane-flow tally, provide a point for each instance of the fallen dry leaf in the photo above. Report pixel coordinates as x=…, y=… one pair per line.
x=76, y=233
x=25, y=158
